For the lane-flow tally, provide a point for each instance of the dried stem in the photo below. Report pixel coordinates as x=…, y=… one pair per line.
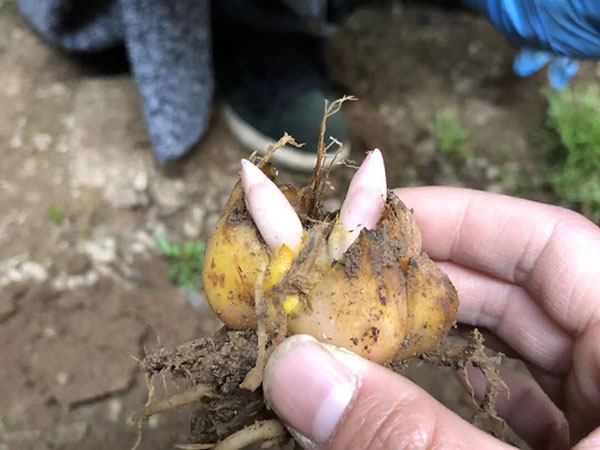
x=316, y=188
x=286, y=139
x=331, y=164
x=259, y=431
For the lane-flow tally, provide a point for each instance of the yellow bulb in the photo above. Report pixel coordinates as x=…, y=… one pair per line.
x=381, y=299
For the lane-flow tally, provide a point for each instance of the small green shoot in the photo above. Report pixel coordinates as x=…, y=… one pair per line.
x=449, y=134
x=185, y=261
x=55, y=214
x=574, y=115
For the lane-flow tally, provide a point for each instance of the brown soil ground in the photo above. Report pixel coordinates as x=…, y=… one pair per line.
x=80, y=300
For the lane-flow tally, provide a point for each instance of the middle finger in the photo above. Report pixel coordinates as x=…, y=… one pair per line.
x=508, y=311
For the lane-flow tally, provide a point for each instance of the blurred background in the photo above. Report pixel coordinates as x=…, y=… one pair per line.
x=101, y=247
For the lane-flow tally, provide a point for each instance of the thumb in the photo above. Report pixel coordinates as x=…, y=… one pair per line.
x=331, y=398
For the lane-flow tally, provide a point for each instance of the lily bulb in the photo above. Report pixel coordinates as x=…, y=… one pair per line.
x=273, y=215
x=363, y=205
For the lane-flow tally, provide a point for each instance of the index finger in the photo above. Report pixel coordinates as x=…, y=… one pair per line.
x=552, y=252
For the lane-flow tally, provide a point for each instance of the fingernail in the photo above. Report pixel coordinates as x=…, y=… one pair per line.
x=310, y=387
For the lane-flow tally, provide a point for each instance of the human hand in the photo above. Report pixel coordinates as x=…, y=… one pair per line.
x=525, y=271
x=557, y=32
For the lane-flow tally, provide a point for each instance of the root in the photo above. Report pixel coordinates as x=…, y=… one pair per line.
x=194, y=446
x=474, y=352
x=333, y=162
x=281, y=331
x=267, y=430
x=174, y=401
x=259, y=431
x=139, y=423
x=254, y=378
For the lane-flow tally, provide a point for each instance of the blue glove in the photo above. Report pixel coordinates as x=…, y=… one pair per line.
x=558, y=32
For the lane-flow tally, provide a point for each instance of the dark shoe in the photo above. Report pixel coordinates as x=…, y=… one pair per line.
x=274, y=83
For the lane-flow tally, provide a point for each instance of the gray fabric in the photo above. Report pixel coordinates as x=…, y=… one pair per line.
x=168, y=44
x=169, y=48
x=76, y=25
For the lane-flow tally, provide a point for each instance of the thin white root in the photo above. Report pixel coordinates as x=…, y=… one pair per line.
x=259, y=431
x=253, y=379
x=175, y=401
x=150, y=387
x=194, y=446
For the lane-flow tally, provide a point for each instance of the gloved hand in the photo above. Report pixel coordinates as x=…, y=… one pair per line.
x=558, y=32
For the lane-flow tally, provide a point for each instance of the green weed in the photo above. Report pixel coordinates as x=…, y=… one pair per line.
x=574, y=115
x=55, y=214
x=449, y=134
x=185, y=261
